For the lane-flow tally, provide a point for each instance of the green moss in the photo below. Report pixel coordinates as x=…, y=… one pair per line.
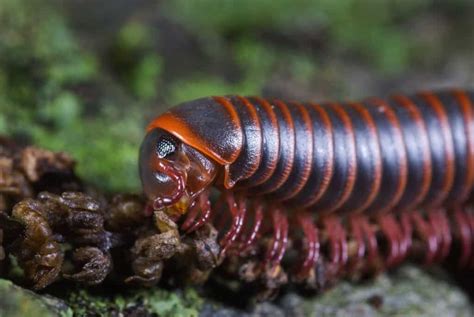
x=3, y=124
x=85, y=304
x=66, y=72
x=133, y=35
x=198, y=86
x=61, y=111
x=136, y=61
x=369, y=29
x=169, y=304
x=144, y=78
x=256, y=60
x=154, y=301
x=109, y=158
x=231, y=16
x=42, y=69
x=39, y=60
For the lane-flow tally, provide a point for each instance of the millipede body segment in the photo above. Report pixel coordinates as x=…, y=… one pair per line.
x=302, y=173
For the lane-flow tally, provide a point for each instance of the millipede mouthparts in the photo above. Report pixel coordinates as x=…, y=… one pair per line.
x=353, y=186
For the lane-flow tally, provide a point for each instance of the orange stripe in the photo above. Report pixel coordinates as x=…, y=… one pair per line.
x=448, y=182
x=377, y=178
x=351, y=152
x=256, y=123
x=274, y=156
x=408, y=104
x=466, y=108
x=272, y=184
x=329, y=171
x=180, y=129
x=309, y=159
x=403, y=162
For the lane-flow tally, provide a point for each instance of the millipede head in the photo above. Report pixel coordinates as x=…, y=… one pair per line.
x=172, y=173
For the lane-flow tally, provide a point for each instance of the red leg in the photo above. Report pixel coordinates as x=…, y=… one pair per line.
x=277, y=236
x=357, y=233
x=337, y=241
x=439, y=222
x=333, y=243
x=343, y=244
x=464, y=232
x=250, y=238
x=389, y=228
x=406, y=231
x=205, y=207
x=283, y=243
x=191, y=216
x=447, y=236
x=400, y=241
x=470, y=217
x=400, y=236
x=237, y=212
x=219, y=216
x=426, y=233
x=372, y=244
x=311, y=256
x=433, y=224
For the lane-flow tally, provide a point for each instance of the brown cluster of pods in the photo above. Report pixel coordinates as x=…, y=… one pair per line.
x=353, y=181
x=55, y=228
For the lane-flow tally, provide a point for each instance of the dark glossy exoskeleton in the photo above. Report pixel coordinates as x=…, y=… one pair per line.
x=304, y=169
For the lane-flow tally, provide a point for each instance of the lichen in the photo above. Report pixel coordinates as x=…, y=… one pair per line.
x=394, y=295
x=151, y=302
x=19, y=302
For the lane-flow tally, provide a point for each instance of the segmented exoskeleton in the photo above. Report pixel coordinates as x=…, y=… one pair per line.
x=342, y=173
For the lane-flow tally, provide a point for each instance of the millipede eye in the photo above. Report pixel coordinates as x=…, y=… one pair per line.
x=165, y=147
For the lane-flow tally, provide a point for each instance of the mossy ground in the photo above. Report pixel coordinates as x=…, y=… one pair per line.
x=407, y=292
x=153, y=302
x=85, y=79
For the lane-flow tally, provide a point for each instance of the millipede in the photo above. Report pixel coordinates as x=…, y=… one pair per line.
x=351, y=185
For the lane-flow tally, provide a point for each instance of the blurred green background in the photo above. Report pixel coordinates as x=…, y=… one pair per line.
x=85, y=76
